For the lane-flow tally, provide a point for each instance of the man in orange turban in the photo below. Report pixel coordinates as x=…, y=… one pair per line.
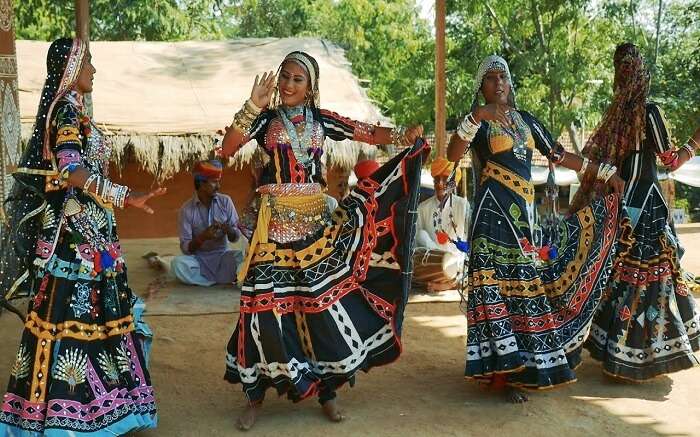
x=207, y=223
x=437, y=264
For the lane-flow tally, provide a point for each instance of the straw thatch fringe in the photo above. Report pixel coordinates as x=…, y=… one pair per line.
x=165, y=155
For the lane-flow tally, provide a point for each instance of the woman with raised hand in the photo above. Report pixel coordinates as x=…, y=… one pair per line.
x=322, y=293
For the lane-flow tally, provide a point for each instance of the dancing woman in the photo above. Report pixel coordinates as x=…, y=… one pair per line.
x=322, y=295
x=648, y=323
x=529, y=309
x=81, y=367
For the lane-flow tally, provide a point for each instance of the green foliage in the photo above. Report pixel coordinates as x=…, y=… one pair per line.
x=152, y=20
x=560, y=54
x=390, y=48
x=560, y=51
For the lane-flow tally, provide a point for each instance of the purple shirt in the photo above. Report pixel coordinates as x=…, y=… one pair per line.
x=194, y=217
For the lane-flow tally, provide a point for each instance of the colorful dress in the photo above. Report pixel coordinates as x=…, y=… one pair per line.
x=81, y=367
x=648, y=323
x=324, y=292
x=528, y=315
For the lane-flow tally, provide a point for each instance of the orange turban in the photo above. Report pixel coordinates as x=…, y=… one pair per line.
x=364, y=169
x=442, y=167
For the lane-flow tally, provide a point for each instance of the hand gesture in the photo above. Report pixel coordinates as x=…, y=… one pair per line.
x=412, y=134
x=494, y=112
x=263, y=87
x=138, y=200
x=210, y=233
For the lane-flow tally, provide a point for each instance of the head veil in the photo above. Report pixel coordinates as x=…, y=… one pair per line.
x=309, y=64
x=623, y=124
x=26, y=201
x=489, y=64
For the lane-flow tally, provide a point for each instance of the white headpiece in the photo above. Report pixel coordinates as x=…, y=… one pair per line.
x=493, y=63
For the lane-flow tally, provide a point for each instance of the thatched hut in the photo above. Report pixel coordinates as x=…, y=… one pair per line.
x=162, y=104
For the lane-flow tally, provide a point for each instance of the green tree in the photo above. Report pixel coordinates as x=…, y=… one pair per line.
x=275, y=18
x=389, y=46
x=114, y=20
x=560, y=53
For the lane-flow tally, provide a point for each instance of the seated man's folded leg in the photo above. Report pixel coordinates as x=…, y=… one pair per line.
x=187, y=270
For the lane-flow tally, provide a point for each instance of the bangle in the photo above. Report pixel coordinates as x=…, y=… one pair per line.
x=584, y=166
x=557, y=154
x=605, y=171
x=244, y=118
x=88, y=182
x=117, y=195
x=468, y=128
x=695, y=145
x=690, y=149
x=397, y=135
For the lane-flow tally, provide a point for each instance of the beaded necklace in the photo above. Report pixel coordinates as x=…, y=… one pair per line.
x=300, y=146
x=519, y=135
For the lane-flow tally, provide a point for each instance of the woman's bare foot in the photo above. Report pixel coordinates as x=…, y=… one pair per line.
x=330, y=410
x=515, y=396
x=247, y=419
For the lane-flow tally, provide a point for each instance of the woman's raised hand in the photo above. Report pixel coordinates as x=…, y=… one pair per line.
x=494, y=112
x=263, y=87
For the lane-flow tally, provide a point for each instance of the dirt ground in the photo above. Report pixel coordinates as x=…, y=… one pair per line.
x=423, y=393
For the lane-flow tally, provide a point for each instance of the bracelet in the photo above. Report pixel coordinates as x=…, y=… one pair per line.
x=695, y=146
x=397, y=136
x=606, y=171
x=88, y=181
x=244, y=118
x=119, y=194
x=690, y=149
x=468, y=128
x=584, y=166
x=557, y=154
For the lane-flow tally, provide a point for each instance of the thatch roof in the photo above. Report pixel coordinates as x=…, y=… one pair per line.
x=166, y=100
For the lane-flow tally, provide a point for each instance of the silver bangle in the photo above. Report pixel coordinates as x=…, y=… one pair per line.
x=468, y=128
x=605, y=171
x=88, y=182
x=690, y=149
x=584, y=166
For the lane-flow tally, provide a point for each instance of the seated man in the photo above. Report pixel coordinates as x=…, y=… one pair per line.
x=439, y=266
x=207, y=222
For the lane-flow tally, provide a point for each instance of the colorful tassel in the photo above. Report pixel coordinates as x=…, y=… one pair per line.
x=442, y=237
x=97, y=260
x=463, y=246
x=106, y=260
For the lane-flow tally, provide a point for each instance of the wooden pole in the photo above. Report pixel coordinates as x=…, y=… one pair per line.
x=440, y=109
x=658, y=34
x=82, y=31
x=82, y=20
x=10, y=127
